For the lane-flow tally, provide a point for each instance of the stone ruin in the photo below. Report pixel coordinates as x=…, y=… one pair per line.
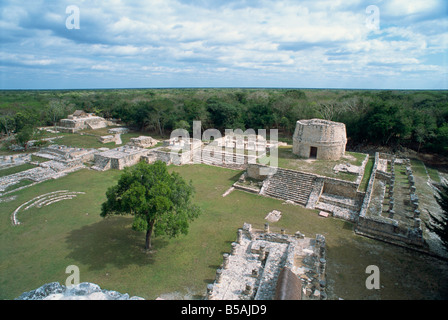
x=62, y=160
x=236, y=151
x=390, y=210
x=143, y=142
x=120, y=130
x=82, y=291
x=111, y=138
x=14, y=160
x=177, y=151
x=118, y=158
x=45, y=171
x=66, y=154
x=319, y=139
x=384, y=211
x=44, y=200
x=263, y=265
x=81, y=120
x=340, y=198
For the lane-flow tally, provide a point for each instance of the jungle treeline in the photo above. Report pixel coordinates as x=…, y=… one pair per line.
x=409, y=118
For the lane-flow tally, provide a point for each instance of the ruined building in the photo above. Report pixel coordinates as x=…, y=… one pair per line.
x=319, y=139
x=80, y=120
x=264, y=265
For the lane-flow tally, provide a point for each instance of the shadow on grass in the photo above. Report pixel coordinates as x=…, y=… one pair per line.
x=111, y=242
x=347, y=225
x=236, y=176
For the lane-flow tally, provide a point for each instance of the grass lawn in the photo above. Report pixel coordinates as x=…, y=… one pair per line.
x=111, y=255
x=16, y=169
x=367, y=173
x=90, y=139
x=288, y=160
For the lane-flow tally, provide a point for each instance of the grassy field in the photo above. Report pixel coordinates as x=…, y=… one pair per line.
x=288, y=160
x=367, y=173
x=88, y=138
x=16, y=169
x=110, y=254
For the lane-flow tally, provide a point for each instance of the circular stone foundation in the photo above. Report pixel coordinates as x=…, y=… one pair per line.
x=319, y=139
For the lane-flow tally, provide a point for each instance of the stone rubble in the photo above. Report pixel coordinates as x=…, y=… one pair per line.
x=250, y=271
x=82, y=291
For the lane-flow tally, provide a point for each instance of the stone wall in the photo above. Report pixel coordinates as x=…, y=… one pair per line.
x=392, y=228
x=143, y=142
x=251, y=270
x=340, y=187
x=82, y=291
x=259, y=172
x=72, y=125
x=328, y=137
x=119, y=158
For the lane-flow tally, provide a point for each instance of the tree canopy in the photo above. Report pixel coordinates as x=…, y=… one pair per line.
x=416, y=119
x=160, y=202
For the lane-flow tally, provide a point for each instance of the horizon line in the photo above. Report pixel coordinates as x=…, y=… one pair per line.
x=242, y=88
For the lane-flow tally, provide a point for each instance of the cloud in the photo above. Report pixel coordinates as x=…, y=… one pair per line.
x=263, y=41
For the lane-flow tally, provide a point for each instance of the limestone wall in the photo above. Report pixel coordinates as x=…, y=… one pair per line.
x=76, y=124
x=252, y=268
x=371, y=223
x=340, y=187
x=254, y=171
x=327, y=136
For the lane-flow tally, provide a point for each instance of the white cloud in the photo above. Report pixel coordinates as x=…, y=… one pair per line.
x=274, y=38
x=410, y=7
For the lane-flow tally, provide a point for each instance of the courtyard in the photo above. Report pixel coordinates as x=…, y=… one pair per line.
x=109, y=253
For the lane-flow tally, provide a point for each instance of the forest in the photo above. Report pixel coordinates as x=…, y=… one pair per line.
x=417, y=120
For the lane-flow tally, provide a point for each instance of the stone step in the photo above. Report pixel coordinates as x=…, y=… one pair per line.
x=290, y=185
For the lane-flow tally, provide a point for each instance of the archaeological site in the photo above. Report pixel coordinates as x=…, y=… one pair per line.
x=261, y=264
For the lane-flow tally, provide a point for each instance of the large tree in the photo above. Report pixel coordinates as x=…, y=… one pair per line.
x=160, y=202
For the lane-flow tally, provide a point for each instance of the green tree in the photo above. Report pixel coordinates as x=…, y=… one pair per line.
x=24, y=136
x=7, y=123
x=224, y=115
x=160, y=202
x=182, y=124
x=56, y=109
x=387, y=122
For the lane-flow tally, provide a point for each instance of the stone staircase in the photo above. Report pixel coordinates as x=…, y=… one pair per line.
x=219, y=159
x=289, y=185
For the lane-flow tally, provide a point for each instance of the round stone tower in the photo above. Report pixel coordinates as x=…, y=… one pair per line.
x=319, y=139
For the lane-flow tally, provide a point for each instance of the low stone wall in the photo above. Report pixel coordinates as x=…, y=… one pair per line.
x=259, y=172
x=119, y=158
x=251, y=270
x=372, y=224
x=340, y=187
x=368, y=194
x=82, y=291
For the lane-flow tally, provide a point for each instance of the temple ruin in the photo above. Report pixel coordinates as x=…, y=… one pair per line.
x=143, y=142
x=81, y=120
x=116, y=138
x=263, y=265
x=319, y=139
x=390, y=208
x=118, y=158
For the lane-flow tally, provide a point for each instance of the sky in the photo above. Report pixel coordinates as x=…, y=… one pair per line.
x=90, y=44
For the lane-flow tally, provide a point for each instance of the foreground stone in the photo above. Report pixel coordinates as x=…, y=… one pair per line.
x=82, y=291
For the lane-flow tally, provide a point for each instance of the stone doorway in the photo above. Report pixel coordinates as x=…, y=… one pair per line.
x=313, y=152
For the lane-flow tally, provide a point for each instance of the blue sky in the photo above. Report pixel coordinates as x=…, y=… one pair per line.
x=233, y=43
